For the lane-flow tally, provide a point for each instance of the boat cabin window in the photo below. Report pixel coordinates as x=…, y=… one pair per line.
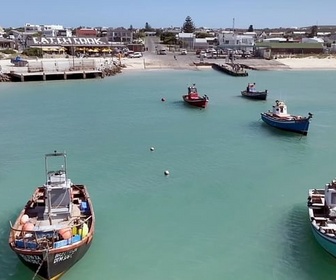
x=333, y=198
x=192, y=89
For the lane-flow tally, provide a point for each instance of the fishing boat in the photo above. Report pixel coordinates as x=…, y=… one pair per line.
x=194, y=99
x=322, y=215
x=55, y=228
x=280, y=119
x=252, y=93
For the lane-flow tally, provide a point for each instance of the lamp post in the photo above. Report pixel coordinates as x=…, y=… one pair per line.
x=73, y=57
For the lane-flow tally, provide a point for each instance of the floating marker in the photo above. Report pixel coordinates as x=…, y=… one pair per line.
x=162, y=99
x=166, y=173
x=152, y=149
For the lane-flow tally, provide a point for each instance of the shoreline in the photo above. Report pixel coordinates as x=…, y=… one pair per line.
x=153, y=62
x=311, y=63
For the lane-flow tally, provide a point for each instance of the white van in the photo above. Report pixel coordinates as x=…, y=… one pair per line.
x=162, y=51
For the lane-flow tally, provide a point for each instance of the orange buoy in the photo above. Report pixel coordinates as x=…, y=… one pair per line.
x=24, y=219
x=66, y=233
x=28, y=226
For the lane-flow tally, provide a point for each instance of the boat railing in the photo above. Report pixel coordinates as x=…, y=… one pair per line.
x=39, y=239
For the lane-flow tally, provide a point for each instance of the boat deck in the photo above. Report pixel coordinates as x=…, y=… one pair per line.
x=57, y=223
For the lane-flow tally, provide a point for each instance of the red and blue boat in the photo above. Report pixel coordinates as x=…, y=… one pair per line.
x=194, y=99
x=279, y=118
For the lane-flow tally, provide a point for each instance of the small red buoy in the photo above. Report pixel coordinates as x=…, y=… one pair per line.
x=162, y=99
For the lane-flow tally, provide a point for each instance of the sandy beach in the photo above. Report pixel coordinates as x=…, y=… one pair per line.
x=306, y=63
x=154, y=62
x=310, y=63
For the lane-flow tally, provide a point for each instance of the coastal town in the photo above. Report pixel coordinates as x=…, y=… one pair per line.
x=99, y=51
x=180, y=152
x=64, y=53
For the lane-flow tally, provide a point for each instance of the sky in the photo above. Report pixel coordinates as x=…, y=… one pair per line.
x=169, y=13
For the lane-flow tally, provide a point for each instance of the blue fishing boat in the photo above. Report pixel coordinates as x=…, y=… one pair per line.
x=322, y=216
x=280, y=119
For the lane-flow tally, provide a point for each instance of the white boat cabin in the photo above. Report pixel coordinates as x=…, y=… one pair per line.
x=192, y=92
x=330, y=194
x=58, y=196
x=280, y=109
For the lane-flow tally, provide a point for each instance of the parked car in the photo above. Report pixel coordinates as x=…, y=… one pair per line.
x=18, y=61
x=184, y=51
x=162, y=52
x=135, y=55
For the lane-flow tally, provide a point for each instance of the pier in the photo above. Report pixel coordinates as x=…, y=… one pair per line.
x=62, y=69
x=54, y=75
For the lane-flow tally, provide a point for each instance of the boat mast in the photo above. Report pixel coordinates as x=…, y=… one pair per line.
x=48, y=173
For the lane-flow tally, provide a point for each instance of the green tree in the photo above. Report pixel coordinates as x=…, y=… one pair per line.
x=202, y=35
x=33, y=52
x=250, y=29
x=168, y=38
x=188, y=25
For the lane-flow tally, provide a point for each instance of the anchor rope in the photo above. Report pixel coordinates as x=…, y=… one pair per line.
x=38, y=269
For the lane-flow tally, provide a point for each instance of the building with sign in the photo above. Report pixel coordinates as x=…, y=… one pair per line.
x=71, y=45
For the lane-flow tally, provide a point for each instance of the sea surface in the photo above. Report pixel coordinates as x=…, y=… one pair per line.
x=234, y=203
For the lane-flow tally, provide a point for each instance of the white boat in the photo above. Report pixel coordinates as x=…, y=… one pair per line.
x=322, y=215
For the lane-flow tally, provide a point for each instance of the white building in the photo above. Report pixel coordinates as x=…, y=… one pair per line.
x=32, y=27
x=235, y=41
x=187, y=40
x=312, y=40
x=55, y=30
x=52, y=30
x=201, y=43
x=274, y=40
x=2, y=31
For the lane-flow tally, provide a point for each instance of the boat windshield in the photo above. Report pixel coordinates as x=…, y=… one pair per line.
x=192, y=89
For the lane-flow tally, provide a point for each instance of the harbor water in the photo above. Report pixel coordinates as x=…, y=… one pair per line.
x=234, y=203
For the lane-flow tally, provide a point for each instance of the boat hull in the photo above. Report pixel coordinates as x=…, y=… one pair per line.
x=55, y=263
x=294, y=125
x=327, y=243
x=199, y=102
x=259, y=95
x=45, y=249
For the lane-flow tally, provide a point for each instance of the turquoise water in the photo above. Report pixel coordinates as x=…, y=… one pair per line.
x=234, y=204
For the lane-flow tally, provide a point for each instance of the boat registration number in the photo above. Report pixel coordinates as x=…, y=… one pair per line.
x=59, y=257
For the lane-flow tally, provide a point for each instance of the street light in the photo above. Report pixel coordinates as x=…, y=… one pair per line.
x=73, y=57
